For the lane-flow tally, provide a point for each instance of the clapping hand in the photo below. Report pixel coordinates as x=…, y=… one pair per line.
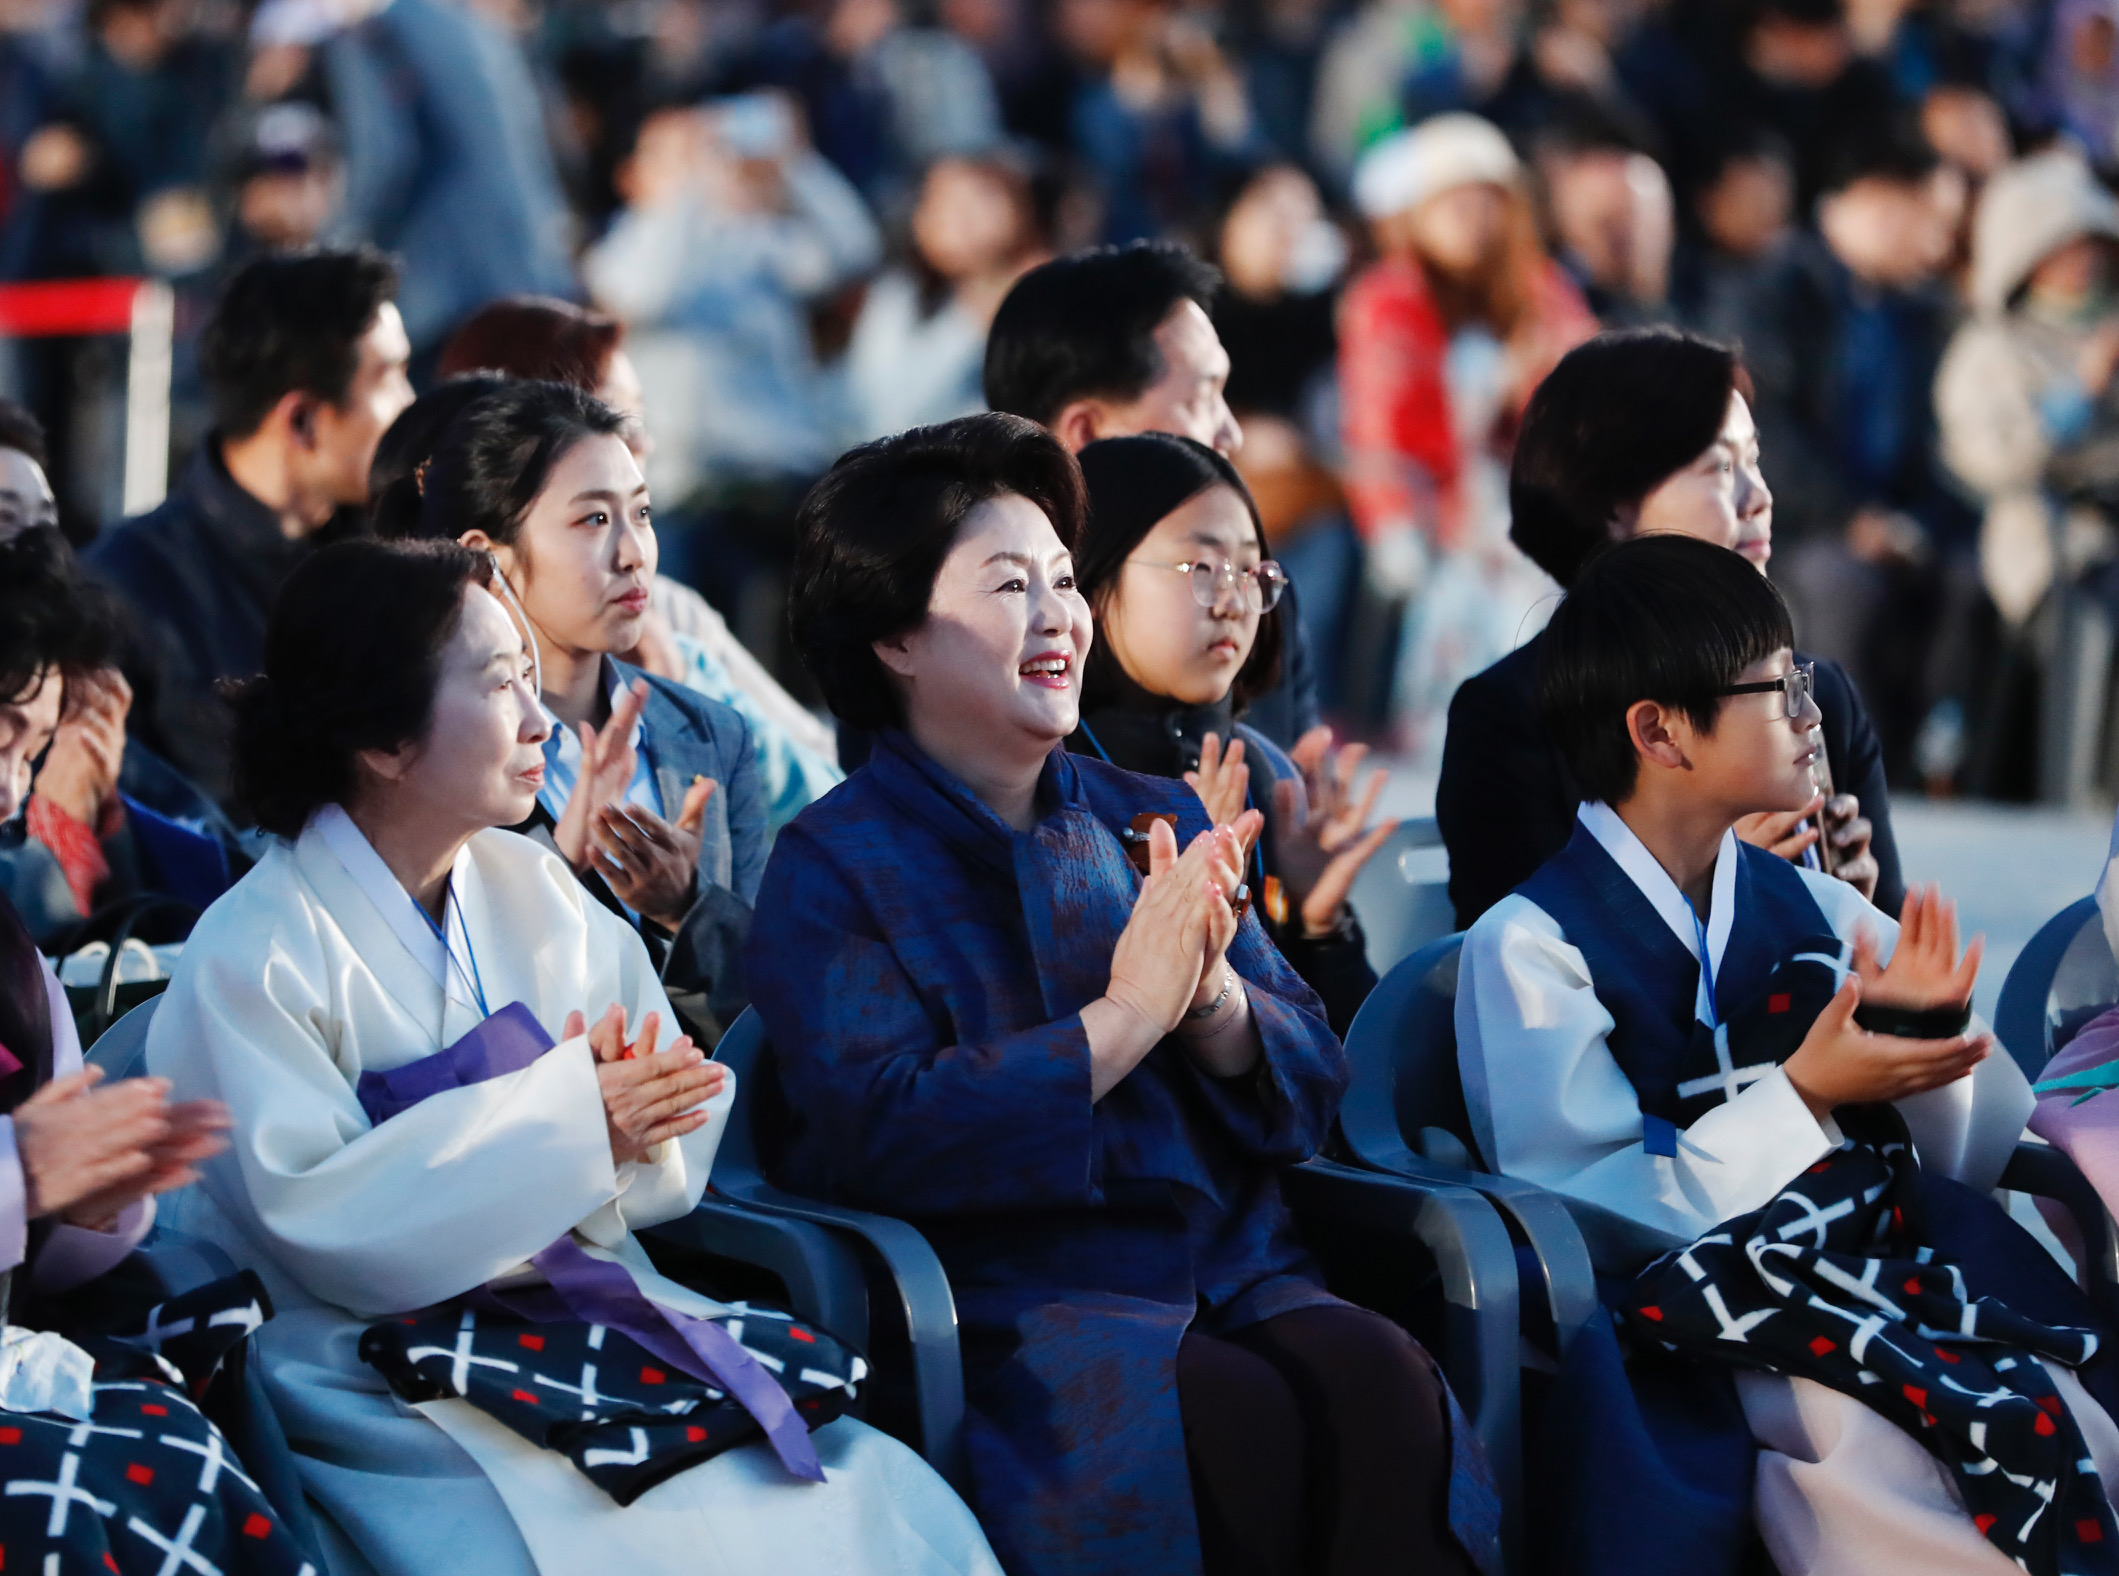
x=1839, y=1063
x=1925, y=969
x=1222, y=780
x=88, y=1153
x=1170, y=953
x=608, y=762
x=649, y=1096
x=651, y=865
x=1321, y=835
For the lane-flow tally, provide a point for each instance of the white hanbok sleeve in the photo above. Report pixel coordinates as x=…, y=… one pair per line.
x=1549, y=1104
x=461, y=1188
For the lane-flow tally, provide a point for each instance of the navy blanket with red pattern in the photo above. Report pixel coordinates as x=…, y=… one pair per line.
x=1831, y=1281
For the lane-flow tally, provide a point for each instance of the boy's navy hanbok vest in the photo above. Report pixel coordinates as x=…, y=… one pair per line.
x=1646, y=1461
x=1648, y=980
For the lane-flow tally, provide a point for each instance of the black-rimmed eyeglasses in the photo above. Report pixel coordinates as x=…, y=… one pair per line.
x=1798, y=687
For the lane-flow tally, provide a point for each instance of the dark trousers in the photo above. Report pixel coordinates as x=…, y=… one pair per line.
x=1319, y=1442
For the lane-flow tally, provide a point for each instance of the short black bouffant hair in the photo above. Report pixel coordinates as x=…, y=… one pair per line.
x=1083, y=326
x=22, y=432
x=52, y=616
x=872, y=535
x=1665, y=618
x=291, y=323
x=492, y=460
x=352, y=660
x=1620, y=414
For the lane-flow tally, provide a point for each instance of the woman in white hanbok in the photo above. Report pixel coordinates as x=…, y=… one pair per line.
x=394, y=731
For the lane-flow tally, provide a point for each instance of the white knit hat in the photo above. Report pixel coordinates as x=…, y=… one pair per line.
x=1408, y=167
x=2028, y=212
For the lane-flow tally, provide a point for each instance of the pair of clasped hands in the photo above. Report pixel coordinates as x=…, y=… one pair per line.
x=1840, y=1063
x=649, y=1096
x=650, y=865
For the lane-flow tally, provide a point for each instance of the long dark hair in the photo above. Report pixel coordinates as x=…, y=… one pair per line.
x=494, y=458
x=1134, y=483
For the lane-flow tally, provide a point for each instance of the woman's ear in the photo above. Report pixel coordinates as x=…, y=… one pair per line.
x=1625, y=519
x=1661, y=735
x=895, y=654
x=385, y=766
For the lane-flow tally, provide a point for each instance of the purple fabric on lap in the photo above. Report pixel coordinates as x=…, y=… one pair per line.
x=2086, y=1131
x=507, y=1042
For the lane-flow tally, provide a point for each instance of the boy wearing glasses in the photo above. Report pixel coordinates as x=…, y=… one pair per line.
x=1675, y=1028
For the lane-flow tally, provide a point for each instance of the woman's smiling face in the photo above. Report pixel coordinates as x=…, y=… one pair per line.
x=1167, y=643
x=997, y=663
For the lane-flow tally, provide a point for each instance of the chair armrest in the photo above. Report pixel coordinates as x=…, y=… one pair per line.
x=1569, y=1280
x=2019, y=1013
x=923, y=1294
x=1471, y=1249
x=821, y=1271
x=2045, y=1172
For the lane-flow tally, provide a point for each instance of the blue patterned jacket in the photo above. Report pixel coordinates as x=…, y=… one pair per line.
x=921, y=969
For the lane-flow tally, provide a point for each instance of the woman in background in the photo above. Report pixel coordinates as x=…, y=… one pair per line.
x=1441, y=342
x=1636, y=432
x=919, y=345
x=683, y=638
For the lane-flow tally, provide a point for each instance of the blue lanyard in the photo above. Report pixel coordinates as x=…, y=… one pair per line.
x=1699, y=929
x=441, y=934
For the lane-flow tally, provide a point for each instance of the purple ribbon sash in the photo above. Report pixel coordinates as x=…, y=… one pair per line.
x=589, y=1289
x=507, y=1042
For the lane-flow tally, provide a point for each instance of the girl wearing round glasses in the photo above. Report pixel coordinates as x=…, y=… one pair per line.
x=1188, y=631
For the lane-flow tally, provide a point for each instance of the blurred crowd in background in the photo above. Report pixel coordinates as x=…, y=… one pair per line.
x=804, y=214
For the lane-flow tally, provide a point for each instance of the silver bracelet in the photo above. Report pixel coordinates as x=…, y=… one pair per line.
x=1201, y=1014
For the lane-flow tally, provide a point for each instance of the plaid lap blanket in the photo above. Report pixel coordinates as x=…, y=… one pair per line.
x=625, y=1417
x=147, y=1486
x=1830, y=1281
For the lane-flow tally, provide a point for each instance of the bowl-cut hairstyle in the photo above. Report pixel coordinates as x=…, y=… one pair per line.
x=1665, y=618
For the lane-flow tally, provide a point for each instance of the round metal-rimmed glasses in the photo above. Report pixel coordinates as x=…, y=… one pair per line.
x=1257, y=589
x=1798, y=688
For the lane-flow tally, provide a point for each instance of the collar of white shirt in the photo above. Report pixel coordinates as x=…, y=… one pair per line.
x=563, y=758
x=350, y=846
x=1644, y=871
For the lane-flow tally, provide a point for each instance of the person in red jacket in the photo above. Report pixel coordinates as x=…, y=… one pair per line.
x=1441, y=342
